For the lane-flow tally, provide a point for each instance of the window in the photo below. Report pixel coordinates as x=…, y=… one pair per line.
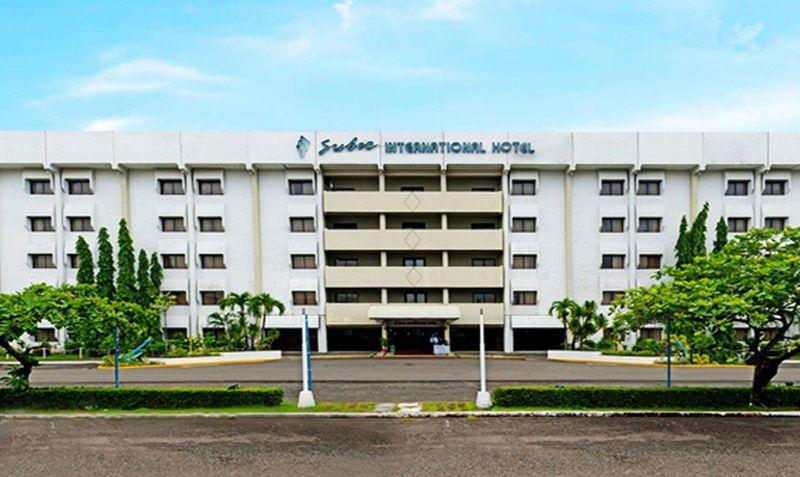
x=175, y=333
x=524, y=297
x=774, y=187
x=304, y=297
x=650, y=334
x=344, y=225
x=42, y=260
x=413, y=225
x=612, y=224
x=523, y=224
x=484, y=297
x=526, y=187
x=212, y=260
x=304, y=261
x=301, y=187
x=649, y=224
x=413, y=261
x=173, y=224
x=776, y=223
x=738, y=224
x=78, y=187
x=484, y=262
x=40, y=187
x=40, y=224
x=302, y=224
x=173, y=260
x=345, y=297
x=612, y=187
x=45, y=334
x=649, y=187
x=178, y=297
x=610, y=296
x=80, y=224
x=482, y=226
x=649, y=262
x=171, y=187
x=74, y=260
x=613, y=261
x=211, y=224
x=416, y=297
x=737, y=187
x=523, y=261
x=211, y=297
x=209, y=187
x=412, y=189
x=345, y=262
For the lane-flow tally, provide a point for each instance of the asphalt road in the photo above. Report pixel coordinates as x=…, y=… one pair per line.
x=415, y=447
x=401, y=379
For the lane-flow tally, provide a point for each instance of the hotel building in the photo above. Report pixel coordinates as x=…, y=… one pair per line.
x=386, y=234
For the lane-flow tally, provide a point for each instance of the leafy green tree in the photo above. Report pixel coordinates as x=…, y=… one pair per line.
x=126, y=277
x=85, y=262
x=697, y=233
x=144, y=287
x=236, y=306
x=683, y=246
x=105, y=265
x=582, y=321
x=260, y=306
x=156, y=274
x=721, y=236
x=752, y=283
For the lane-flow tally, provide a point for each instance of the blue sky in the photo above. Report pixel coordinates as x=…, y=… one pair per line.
x=655, y=65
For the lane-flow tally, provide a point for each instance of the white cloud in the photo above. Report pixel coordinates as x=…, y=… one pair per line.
x=744, y=35
x=777, y=110
x=448, y=9
x=345, y=9
x=112, y=124
x=137, y=76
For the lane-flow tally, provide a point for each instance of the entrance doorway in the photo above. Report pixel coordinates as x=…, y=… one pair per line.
x=414, y=338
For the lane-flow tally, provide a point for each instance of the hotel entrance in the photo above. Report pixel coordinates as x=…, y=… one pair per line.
x=415, y=336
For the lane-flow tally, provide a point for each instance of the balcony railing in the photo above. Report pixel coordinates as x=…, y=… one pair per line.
x=407, y=202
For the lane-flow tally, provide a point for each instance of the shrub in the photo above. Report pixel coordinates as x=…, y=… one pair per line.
x=649, y=345
x=591, y=397
x=78, y=398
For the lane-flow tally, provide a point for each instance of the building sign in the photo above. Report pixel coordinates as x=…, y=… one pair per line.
x=417, y=147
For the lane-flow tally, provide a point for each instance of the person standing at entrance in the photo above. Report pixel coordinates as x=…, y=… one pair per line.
x=434, y=341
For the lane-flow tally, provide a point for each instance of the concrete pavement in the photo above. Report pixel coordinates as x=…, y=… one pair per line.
x=413, y=447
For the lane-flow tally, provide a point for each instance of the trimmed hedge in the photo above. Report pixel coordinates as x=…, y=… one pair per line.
x=136, y=398
x=593, y=397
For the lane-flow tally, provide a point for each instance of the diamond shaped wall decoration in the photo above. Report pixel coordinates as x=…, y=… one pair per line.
x=412, y=201
x=412, y=239
x=413, y=276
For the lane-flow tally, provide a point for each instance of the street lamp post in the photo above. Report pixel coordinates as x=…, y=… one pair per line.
x=306, y=398
x=669, y=354
x=116, y=357
x=484, y=399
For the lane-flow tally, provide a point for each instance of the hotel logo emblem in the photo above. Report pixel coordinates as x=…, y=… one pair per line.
x=302, y=146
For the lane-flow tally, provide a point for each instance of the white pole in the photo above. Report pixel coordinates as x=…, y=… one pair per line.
x=484, y=399
x=306, y=398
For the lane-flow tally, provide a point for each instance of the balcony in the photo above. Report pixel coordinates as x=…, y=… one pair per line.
x=357, y=314
x=419, y=202
x=416, y=239
x=423, y=277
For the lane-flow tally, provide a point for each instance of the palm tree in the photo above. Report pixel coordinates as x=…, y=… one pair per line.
x=260, y=306
x=565, y=310
x=237, y=304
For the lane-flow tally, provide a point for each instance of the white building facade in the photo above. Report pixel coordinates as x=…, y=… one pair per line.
x=394, y=235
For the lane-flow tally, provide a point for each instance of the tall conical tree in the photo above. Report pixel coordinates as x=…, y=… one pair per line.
x=156, y=274
x=721, y=238
x=105, y=265
x=683, y=245
x=143, y=286
x=126, y=277
x=85, y=262
x=697, y=233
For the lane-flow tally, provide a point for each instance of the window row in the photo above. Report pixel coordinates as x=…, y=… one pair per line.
x=45, y=224
x=178, y=224
x=617, y=261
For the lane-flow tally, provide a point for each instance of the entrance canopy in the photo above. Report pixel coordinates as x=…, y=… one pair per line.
x=404, y=311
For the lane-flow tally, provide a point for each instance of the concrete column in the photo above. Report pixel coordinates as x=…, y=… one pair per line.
x=693, y=208
x=758, y=181
x=568, y=270
x=444, y=222
x=384, y=259
x=322, y=332
x=631, y=230
x=381, y=181
x=443, y=181
x=125, y=196
x=508, y=330
x=447, y=332
x=384, y=296
x=446, y=296
x=255, y=195
x=191, y=257
x=445, y=258
x=384, y=330
x=60, y=226
x=382, y=221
